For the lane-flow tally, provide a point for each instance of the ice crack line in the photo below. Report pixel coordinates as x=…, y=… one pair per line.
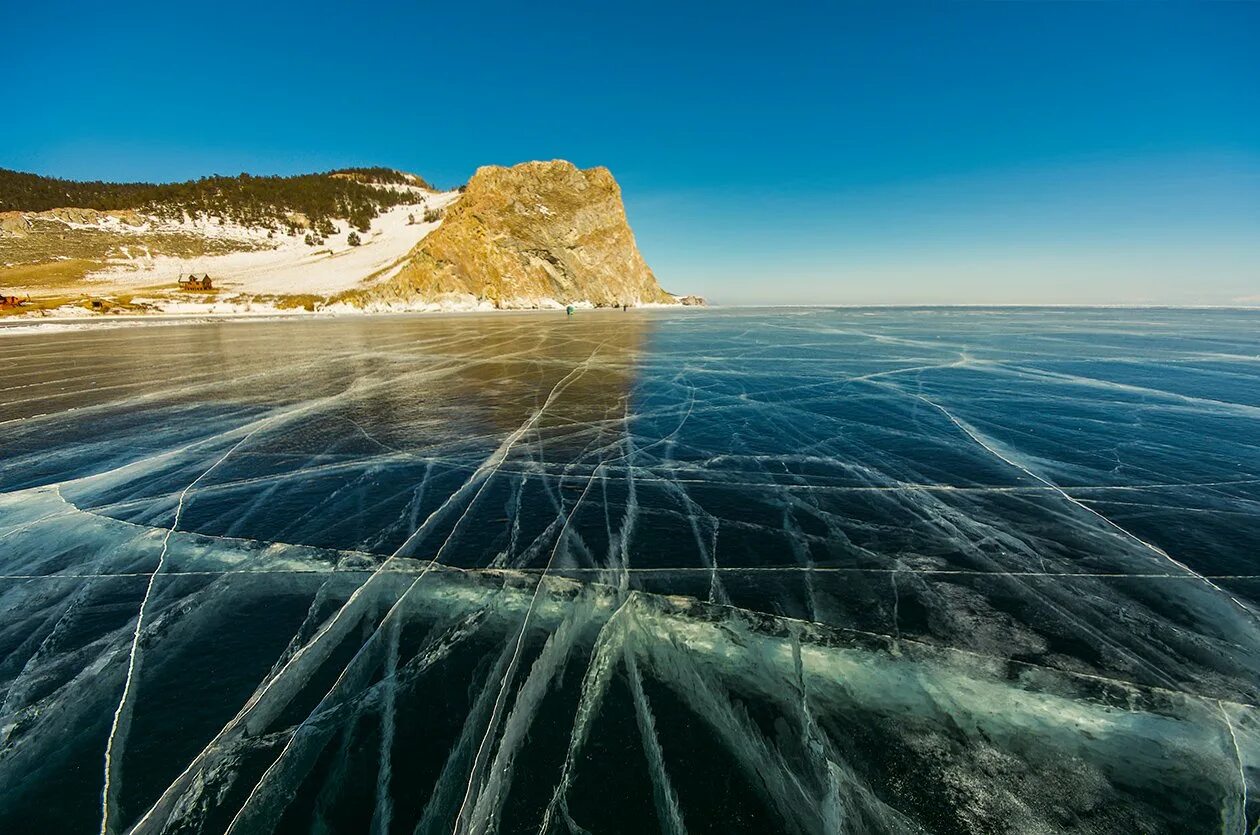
x=486, y=470
x=135, y=636
x=501, y=455
x=496, y=710
x=516, y=655
x=1056, y=488
x=681, y=569
x=1238, y=760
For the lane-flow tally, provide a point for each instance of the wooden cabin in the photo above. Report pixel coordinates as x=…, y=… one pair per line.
x=196, y=282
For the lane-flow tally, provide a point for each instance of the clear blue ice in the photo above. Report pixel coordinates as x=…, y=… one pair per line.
x=800, y=571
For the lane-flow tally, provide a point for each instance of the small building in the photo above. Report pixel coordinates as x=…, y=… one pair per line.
x=196, y=282
x=10, y=302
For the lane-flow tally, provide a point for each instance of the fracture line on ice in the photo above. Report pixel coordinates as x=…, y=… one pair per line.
x=516, y=654
x=520, y=638
x=17, y=685
x=685, y=569
x=648, y=476
x=1018, y=662
x=135, y=637
x=188, y=387
x=388, y=619
x=357, y=388
x=1144, y=391
x=382, y=814
x=608, y=647
x=249, y=428
x=489, y=466
x=867, y=633
x=913, y=487
x=23, y=528
x=1238, y=760
x=194, y=383
x=668, y=812
x=1125, y=531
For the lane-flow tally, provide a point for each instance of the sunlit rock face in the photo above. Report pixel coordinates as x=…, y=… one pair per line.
x=534, y=234
x=826, y=571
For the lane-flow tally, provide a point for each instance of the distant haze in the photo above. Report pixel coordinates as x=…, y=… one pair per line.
x=790, y=153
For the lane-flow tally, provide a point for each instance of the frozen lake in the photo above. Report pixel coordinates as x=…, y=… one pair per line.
x=800, y=571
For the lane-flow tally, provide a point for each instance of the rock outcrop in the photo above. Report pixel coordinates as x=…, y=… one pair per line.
x=19, y=224
x=535, y=234
x=14, y=224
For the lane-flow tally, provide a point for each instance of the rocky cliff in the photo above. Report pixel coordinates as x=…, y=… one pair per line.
x=535, y=234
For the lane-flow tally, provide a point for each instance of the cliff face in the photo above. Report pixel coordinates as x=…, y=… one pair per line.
x=529, y=235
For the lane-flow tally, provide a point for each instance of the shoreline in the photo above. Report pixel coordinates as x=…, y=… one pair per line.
x=29, y=325
x=988, y=306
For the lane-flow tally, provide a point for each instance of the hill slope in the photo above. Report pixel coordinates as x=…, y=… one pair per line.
x=354, y=194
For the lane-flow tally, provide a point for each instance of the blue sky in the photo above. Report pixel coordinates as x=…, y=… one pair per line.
x=838, y=153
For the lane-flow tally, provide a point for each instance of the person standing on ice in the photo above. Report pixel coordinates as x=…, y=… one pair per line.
x=569, y=310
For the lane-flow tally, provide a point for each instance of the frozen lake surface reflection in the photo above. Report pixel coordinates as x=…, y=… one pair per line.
x=731, y=572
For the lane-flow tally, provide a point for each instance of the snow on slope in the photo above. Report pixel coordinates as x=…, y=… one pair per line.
x=290, y=267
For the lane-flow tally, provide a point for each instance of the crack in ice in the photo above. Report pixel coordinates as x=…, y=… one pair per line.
x=1124, y=531
x=1238, y=760
x=135, y=638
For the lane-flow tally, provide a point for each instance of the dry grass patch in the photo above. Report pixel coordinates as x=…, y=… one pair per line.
x=55, y=274
x=305, y=301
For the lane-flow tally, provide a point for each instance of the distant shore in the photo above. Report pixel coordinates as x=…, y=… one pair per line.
x=17, y=325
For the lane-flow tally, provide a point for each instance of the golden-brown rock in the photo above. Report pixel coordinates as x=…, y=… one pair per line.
x=534, y=234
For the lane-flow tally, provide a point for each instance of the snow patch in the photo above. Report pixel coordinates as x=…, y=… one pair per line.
x=281, y=264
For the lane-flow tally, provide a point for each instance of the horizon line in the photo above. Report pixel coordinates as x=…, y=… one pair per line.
x=991, y=305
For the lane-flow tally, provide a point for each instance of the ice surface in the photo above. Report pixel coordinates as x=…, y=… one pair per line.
x=742, y=571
